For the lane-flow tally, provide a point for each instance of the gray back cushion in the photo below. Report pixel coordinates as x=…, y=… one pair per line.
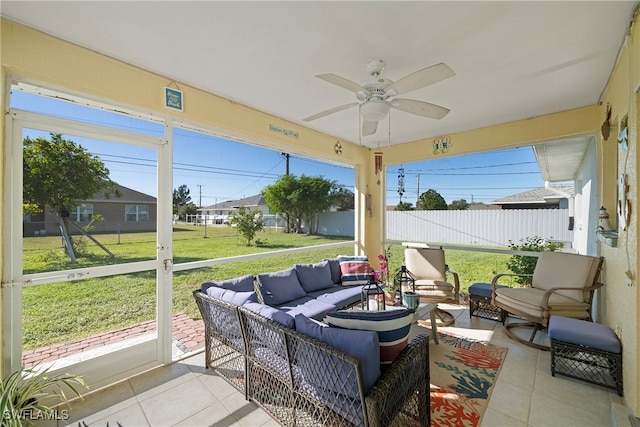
x=314, y=277
x=280, y=287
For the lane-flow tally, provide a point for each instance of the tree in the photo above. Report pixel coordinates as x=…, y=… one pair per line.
x=404, y=206
x=314, y=196
x=431, y=200
x=58, y=175
x=188, y=209
x=182, y=205
x=277, y=197
x=299, y=199
x=459, y=205
x=248, y=222
x=181, y=197
x=343, y=199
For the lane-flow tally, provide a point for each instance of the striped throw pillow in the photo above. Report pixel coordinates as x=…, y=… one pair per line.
x=355, y=270
x=392, y=326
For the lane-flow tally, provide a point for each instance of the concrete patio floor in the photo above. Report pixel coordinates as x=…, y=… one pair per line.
x=186, y=394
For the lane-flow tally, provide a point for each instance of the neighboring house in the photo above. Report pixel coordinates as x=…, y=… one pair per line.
x=538, y=198
x=219, y=213
x=133, y=211
x=482, y=207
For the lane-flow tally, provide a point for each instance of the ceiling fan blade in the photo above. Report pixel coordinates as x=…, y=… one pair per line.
x=344, y=83
x=369, y=128
x=420, y=108
x=329, y=111
x=421, y=78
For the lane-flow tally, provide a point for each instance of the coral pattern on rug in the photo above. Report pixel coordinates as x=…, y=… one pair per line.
x=463, y=373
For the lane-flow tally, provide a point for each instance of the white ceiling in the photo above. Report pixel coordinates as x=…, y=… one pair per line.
x=512, y=60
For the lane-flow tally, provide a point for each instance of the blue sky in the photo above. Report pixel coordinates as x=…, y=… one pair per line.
x=215, y=169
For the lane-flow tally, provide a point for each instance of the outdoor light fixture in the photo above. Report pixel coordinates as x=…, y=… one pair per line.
x=406, y=285
x=372, y=297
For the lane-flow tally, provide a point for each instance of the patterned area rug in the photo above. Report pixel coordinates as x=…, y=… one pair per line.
x=463, y=373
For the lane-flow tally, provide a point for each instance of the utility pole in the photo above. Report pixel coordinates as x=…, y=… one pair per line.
x=200, y=202
x=286, y=157
x=401, y=182
x=418, y=192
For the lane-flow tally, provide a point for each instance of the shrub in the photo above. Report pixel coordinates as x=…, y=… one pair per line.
x=520, y=264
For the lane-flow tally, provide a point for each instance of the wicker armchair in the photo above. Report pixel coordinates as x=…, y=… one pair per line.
x=562, y=284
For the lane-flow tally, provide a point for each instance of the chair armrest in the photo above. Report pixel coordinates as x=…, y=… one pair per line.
x=548, y=293
x=456, y=280
x=406, y=379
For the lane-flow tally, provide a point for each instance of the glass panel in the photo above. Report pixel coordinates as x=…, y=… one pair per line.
x=101, y=227
x=214, y=176
x=72, y=321
x=95, y=181
x=76, y=111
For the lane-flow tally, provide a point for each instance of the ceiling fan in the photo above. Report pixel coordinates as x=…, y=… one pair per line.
x=376, y=98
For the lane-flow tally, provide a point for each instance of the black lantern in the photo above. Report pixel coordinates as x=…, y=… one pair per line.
x=405, y=284
x=372, y=297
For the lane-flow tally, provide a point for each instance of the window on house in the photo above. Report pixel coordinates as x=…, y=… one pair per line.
x=136, y=213
x=83, y=213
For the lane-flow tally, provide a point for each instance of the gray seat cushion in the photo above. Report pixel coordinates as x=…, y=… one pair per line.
x=307, y=306
x=338, y=296
x=582, y=332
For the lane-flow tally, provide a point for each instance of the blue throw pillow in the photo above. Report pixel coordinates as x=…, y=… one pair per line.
x=314, y=277
x=361, y=344
x=280, y=287
x=238, y=284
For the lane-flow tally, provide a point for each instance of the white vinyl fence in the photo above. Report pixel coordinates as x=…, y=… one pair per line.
x=470, y=227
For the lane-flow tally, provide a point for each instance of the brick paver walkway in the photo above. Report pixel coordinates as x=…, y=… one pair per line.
x=188, y=335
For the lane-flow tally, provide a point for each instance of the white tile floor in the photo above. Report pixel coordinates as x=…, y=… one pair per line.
x=185, y=394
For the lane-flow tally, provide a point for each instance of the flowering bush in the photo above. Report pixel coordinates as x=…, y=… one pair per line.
x=383, y=272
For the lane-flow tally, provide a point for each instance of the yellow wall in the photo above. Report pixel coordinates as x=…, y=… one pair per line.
x=30, y=56
x=622, y=299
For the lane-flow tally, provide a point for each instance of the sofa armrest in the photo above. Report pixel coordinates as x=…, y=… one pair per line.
x=403, y=389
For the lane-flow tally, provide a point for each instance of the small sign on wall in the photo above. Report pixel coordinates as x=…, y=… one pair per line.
x=173, y=99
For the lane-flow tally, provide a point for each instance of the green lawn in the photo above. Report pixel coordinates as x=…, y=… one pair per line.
x=65, y=311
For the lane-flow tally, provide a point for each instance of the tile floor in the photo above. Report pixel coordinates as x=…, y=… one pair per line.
x=185, y=394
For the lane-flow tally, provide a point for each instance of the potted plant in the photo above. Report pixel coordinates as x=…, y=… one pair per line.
x=24, y=391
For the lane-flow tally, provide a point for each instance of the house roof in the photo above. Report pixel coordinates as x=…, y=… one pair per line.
x=539, y=195
x=128, y=195
x=251, y=201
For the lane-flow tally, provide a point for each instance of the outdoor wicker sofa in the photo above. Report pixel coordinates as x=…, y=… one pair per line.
x=301, y=381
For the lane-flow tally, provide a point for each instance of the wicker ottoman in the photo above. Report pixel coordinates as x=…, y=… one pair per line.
x=586, y=351
x=480, y=302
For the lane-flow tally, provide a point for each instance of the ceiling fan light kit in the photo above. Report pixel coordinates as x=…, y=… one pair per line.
x=376, y=98
x=374, y=110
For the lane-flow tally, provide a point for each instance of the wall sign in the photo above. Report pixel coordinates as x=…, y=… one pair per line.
x=285, y=132
x=441, y=145
x=173, y=99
